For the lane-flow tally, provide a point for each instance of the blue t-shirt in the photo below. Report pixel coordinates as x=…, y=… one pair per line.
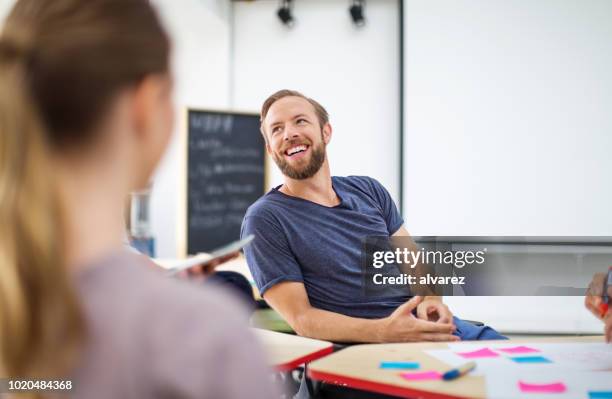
x=299, y=240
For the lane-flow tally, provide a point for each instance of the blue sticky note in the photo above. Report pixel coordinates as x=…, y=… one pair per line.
x=600, y=394
x=531, y=359
x=399, y=365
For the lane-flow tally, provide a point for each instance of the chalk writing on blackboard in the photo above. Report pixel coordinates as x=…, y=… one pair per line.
x=226, y=173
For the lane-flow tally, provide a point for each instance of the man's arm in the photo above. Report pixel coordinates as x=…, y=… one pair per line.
x=291, y=301
x=432, y=308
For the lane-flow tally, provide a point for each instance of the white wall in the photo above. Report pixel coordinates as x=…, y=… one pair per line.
x=200, y=31
x=352, y=72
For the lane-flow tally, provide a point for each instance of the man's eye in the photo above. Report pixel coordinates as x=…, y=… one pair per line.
x=276, y=129
x=300, y=121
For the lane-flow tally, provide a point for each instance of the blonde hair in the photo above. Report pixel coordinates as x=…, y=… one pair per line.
x=61, y=63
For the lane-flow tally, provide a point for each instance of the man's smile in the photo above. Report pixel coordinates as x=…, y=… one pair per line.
x=297, y=151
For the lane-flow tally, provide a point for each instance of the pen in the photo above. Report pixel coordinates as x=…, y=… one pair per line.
x=459, y=371
x=605, y=298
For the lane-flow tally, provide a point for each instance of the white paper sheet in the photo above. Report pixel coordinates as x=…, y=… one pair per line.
x=582, y=367
x=504, y=384
x=574, y=356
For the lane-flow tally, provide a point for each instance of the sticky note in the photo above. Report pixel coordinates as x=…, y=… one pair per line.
x=555, y=387
x=600, y=394
x=399, y=365
x=531, y=359
x=515, y=350
x=484, y=352
x=422, y=376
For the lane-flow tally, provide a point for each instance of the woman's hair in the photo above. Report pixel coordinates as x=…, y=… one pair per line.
x=62, y=62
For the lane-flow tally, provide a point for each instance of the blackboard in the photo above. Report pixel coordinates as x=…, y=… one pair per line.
x=225, y=175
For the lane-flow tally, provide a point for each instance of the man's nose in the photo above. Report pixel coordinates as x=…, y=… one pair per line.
x=290, y=133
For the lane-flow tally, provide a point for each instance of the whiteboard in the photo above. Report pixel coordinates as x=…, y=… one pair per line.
x=508, y=117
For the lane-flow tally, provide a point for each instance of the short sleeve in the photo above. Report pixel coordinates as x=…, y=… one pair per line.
x=389, y=209
x=269, y=257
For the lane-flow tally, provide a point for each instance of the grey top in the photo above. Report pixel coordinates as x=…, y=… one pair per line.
x=150, y=336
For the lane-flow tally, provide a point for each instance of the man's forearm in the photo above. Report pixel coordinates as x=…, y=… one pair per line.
x=330, y=326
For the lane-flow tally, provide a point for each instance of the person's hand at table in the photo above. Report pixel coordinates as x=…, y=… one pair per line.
x=433, y=309
x=594, y=299
x=403, y=326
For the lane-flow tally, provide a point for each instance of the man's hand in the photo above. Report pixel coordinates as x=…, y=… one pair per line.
x=433, y=309
x=403, y=326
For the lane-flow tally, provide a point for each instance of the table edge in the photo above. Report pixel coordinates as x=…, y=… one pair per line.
x=378, y=387
x=290, y=365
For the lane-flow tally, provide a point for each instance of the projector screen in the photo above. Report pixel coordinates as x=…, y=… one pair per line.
x=508, y=117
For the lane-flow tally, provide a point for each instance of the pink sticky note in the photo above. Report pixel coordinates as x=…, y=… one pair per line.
x=555, y=387
x=484, y=352
x=518, y=349
x=422, y=376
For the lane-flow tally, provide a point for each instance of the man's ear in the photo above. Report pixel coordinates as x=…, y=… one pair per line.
x=327, y=133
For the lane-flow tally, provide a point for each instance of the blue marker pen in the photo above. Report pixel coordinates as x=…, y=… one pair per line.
x=459, y=371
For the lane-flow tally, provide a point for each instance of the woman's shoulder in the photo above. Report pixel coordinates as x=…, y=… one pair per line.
x=166, y=333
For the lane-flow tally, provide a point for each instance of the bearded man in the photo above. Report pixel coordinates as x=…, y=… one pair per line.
x=306, y=257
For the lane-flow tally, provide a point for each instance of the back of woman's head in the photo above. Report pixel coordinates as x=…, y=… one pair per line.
x=61, y=64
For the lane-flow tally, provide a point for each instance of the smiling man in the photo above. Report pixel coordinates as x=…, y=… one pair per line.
x=309, y=231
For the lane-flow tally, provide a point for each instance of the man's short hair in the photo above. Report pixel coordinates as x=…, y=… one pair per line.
x=320, y=111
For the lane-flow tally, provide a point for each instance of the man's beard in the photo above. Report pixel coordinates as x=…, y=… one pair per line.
x=316, y=161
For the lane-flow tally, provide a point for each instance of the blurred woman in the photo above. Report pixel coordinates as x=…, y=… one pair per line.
x=85, y=115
